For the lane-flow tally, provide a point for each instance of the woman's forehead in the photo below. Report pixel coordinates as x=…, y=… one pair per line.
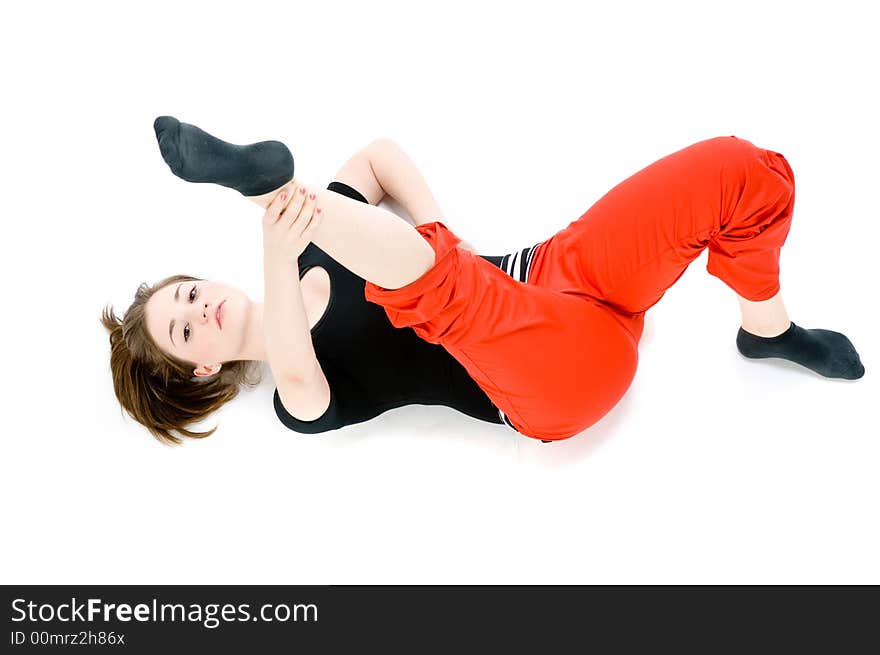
x=158, y=313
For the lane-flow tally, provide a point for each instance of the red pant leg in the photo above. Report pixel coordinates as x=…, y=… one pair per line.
x=638, y=239
x=553, y=363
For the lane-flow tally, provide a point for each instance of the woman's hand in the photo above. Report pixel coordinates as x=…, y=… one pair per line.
x=288, y=224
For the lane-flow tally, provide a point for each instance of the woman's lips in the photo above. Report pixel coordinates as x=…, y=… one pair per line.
x=219, y=315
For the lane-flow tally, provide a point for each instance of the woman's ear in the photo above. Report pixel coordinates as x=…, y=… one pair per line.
x=204, y=371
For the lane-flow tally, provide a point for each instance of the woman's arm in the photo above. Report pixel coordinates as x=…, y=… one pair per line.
x=288, y=224
x=383, y=167
x=397, y=175
x=289, y=348
x=358, y=173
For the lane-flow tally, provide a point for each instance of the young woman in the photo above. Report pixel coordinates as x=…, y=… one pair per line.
x=543, y=340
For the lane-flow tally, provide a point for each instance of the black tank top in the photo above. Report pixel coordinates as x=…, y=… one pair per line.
x=372, y=366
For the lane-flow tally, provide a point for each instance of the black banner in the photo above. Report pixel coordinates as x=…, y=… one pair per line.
x=285, y=619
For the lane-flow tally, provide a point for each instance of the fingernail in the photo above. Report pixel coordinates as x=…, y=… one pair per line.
x=283, y=196
x=302, y=189
x=319, y=211
x=311, y=196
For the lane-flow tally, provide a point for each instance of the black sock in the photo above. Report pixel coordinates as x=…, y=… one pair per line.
x=827, y=353
x=196, y=156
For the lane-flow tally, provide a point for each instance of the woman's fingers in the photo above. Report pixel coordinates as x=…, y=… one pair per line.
x=276, y=207
x=295, y=218
x=313, y=223
x=306, y=210
x=294, y=206
x=273, y=209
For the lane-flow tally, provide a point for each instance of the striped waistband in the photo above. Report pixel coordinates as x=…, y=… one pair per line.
x=506, y=420
x=518, y=264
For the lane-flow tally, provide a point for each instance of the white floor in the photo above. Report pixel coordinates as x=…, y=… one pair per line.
x=713, y=468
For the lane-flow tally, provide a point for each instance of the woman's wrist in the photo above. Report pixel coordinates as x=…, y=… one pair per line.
x=278, y=262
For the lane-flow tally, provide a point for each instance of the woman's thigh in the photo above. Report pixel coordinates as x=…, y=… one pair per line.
x=637, y=240
x=553, y=363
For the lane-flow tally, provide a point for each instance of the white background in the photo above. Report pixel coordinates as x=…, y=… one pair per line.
x=713, y=468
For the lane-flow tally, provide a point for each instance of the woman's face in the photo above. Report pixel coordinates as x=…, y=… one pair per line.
x=182, y=320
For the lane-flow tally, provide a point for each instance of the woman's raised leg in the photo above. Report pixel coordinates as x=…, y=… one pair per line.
x=637, y=240
x=371, y=242
x=724, y=194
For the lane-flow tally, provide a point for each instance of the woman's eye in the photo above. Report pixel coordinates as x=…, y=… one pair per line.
x=192, y=294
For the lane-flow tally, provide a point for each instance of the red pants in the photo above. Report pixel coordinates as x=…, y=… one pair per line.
x=558, y=352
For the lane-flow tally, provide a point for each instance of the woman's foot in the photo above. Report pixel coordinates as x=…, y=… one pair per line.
x=196, y=156
x=827, y=353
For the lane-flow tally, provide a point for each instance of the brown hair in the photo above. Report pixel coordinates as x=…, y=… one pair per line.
x=159, y=391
